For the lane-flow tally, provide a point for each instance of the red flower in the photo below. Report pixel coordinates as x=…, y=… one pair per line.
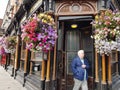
x=34, y=39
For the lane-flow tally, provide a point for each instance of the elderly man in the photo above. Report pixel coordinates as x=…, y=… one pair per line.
x=80, y=66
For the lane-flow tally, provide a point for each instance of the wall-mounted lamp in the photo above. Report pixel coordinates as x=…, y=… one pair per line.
x=74, y=26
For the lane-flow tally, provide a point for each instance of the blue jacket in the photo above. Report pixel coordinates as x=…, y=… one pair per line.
x=78, y=71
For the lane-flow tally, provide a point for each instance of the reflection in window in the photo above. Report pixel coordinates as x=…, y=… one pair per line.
x=12, y=58
x=36, y=56
x=73, y=40
x=21, y=65
x=23, y=54
x=36, y=68
x=72, y=46
x=23, y=48
x=114, y=67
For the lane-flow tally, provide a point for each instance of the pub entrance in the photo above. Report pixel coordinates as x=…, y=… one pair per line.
x=73, y=35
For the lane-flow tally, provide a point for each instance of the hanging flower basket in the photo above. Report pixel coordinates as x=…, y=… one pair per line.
x=2, y=45
x=39, y=32
x=2, y=50
x=107, y=31
x=10, y=46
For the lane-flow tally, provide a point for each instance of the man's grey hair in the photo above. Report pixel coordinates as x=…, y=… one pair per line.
x=80, y=51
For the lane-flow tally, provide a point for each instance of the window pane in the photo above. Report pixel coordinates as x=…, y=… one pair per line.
x=72, y=40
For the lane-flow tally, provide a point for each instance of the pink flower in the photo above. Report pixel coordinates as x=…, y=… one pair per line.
x=29, y=46
x=2, y=51
x=23, y=35
x=44, y=40
x=39, y=34
x=32, y=35
x=106, y=33
x=105, y=28
x=34, y=39
x=40, y=44
x=107, y=23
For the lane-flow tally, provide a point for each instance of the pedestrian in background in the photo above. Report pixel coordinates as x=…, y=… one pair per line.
x=80, y=67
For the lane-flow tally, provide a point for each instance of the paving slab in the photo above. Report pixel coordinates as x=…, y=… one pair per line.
x=9, y=83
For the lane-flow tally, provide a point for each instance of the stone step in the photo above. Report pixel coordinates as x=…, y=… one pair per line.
x=20, y=76
x=9, y=69
x=30, y=86
x=116, y=83
x=33, y=82
x=115, y=78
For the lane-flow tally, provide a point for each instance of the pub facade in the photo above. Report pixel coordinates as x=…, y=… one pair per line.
x=72, y=19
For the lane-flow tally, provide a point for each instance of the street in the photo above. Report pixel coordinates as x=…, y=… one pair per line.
x=7, y=82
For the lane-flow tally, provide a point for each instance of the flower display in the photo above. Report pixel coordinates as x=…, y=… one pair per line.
x=39, y=32
x=8, y=43
x=2, y=50
x=2, y=45
x=107, y=31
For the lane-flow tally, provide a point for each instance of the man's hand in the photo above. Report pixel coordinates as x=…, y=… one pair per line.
x=83, y=66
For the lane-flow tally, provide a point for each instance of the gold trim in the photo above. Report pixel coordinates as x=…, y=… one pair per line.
x=103, y=70
x=48, y=68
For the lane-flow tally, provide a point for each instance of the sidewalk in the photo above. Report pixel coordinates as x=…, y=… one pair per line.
x=7, y=82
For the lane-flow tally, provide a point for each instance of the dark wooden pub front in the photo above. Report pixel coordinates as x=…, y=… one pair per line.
x=73, y=18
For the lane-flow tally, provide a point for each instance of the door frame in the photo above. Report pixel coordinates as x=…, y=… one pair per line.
x=79, y=18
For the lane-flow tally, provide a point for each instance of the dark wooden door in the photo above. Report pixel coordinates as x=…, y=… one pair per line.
x=69, y=42
x=72, y=45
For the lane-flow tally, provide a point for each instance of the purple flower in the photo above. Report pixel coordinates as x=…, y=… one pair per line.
x=40, y=36
x=45, y=34
x=52, y=42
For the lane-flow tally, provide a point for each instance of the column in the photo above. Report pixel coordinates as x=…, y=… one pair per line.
x=31, y=64
x=47, y=84
x=109, y=70
x=96, y=67
x=16, y=55
x=54, y=65
x=117, y=71
x=43, y=76
x=48, y=68
x=43, y=71
x=109, y=73
x=26, y=61
x=104, y=84
x=103, y=70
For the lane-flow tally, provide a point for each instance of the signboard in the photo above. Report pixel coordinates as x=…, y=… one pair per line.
x=37, y=56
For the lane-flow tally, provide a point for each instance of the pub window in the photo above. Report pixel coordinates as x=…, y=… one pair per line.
x=23, y=49
x=12, y=58
x=35, y=63
x=114, y=57
x=21, y=65
x=72, y=37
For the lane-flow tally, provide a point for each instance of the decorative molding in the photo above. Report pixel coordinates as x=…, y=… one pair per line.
x=75, y=7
